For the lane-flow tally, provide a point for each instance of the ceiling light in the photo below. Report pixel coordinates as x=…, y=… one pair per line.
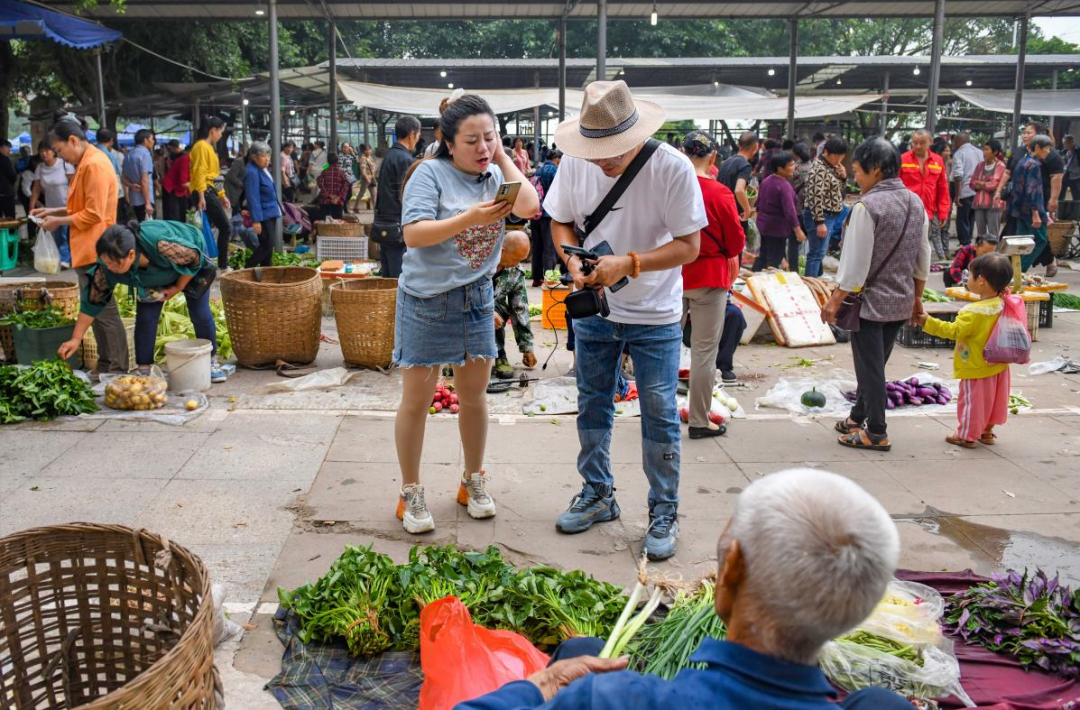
x=292, y=112
x=652, y=17
x=246, y=102
x=260, y=13
x=839, y=82
x=442, y=74
x=969, y=82
x=917, y=72
x=449, y=86
x=772, y=72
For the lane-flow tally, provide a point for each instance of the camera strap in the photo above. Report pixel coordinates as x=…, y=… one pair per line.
x=593, y=220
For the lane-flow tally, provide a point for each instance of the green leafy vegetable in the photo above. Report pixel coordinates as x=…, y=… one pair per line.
x=375, y=604
x=45, y=390
x=885, y=645
x=239, y=257
x=1066, y=300
x=51, y=317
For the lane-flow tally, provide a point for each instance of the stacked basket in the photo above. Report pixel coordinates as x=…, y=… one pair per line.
x=341, y=240
x=104, y=616
x=273, y=314
x=35, y=297
x=364, y=310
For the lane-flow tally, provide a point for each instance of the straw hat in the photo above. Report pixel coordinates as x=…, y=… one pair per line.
x=611, y=122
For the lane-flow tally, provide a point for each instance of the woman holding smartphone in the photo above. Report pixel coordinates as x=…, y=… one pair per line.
x=453, y=228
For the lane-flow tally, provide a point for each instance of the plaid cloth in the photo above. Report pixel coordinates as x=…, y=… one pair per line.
x=321, y=676
x=334, y=187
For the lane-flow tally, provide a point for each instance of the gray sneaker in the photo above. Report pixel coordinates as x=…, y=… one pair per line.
x=587, y=508
x=660, y=538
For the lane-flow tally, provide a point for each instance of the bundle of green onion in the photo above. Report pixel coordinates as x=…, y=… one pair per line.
x=664, y=648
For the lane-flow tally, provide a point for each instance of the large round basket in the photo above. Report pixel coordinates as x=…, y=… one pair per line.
x=1059, y=234
x=364, y=310
x=35, y=297
x=273, y=314
x=339, y=229
x=103, y=616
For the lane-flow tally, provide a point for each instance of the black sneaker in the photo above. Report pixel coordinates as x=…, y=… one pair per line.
x=707, y=432
x=728, y=377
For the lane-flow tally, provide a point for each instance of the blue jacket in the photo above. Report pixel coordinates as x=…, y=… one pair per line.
x=260, y=193
x=734, y=678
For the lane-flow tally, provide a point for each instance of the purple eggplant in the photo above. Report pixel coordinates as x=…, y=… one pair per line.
x=890, y=404
x=927, y=392
x=945, y=391
x=914, y=400
x=942, y=399
x=913, y=381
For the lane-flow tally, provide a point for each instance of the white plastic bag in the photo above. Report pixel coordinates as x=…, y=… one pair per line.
x=851, y=667
x=46, y=254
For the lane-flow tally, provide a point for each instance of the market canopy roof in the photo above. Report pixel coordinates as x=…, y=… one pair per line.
x=813, y=73
x=1034, y=103
x=134, y=10
x=679, y=103
x=19, y=20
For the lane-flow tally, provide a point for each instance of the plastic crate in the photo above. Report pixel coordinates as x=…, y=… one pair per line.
x=342, y=248
x=912, y=336
x=1046, y=312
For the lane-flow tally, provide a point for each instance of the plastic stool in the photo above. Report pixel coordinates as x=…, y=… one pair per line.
x=9, y=248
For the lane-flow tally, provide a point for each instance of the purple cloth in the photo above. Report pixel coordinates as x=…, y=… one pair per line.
x=777, y=213
x=993, y=680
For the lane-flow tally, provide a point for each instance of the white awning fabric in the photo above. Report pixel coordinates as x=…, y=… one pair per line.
x=701, y=103
x=1034, y=103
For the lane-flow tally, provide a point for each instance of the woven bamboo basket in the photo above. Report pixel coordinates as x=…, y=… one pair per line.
x=90, y=348
x=1059, y=234
x=104, y=616
x=276, y=318
x=35, y=297
x=339, y=229
x=1032, y=308
x=364, y=310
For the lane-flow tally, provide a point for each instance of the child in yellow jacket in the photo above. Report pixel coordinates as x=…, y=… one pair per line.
x=983, y=400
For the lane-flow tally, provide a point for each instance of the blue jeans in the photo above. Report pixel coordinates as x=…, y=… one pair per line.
x=146, y=323
x=60, y=235
x=817, y=247
x=655, y=350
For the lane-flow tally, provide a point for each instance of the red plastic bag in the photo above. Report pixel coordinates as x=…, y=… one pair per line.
x=1010, y=341
x=462, y=661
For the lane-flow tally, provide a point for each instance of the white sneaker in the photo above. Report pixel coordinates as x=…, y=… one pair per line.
x=413, y=512
x=473, y=493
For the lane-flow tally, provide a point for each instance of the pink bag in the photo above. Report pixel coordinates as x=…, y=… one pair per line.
x=1010, y=341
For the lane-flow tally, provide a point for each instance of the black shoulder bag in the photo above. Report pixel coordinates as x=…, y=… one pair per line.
x=847, y=316
x=591, y=301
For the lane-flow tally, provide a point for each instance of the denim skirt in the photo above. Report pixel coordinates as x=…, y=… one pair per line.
x=451, y=328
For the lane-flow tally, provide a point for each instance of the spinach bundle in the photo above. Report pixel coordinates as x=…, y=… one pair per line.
x=45, y=390
x=51, y=317
x=1032, y=618
x=375, y=605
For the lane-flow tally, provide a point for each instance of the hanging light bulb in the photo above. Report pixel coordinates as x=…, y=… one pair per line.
x=246, y=102
x=260, y=13
x=449, y=86
x=442, y=74
x=917, y=72
x=772, y=72
x=839, y=82
x=969, y=82
x=716, y=83
x=652, y=17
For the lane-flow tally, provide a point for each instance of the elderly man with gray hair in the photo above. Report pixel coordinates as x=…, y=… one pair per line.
x=806, y=557
x=260, y=196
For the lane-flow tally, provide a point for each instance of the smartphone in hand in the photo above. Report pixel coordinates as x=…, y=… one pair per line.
x=508, y=193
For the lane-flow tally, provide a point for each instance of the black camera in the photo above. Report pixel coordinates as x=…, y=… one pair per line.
x=589, y=301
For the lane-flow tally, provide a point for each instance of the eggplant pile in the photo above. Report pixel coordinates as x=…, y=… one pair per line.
x=911, y=392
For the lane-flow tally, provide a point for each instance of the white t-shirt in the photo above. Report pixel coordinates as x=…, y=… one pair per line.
x=662, y=202
x=54, y=181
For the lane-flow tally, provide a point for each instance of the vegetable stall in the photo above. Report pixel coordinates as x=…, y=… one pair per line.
x=916, y=641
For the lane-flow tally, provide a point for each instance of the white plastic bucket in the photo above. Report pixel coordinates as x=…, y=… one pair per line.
x=189, y=365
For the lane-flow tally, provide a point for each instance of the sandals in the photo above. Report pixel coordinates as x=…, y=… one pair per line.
x=957, y=441
x=863, y=439
x=988, y=438
x=847, y=426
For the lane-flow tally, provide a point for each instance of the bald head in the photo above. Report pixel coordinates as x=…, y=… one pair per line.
x=515, y=249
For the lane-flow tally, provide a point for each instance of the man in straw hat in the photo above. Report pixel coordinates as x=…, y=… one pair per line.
x=652, y=230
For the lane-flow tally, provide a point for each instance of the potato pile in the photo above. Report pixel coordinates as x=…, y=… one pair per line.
x=136, y=393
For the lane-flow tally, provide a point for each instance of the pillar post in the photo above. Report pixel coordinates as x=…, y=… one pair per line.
x=793, y=51
x=275, y=114
x=333, y=87
x=562, y=68
x=601, y=40
x=1021, y=58
x=935, y=65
